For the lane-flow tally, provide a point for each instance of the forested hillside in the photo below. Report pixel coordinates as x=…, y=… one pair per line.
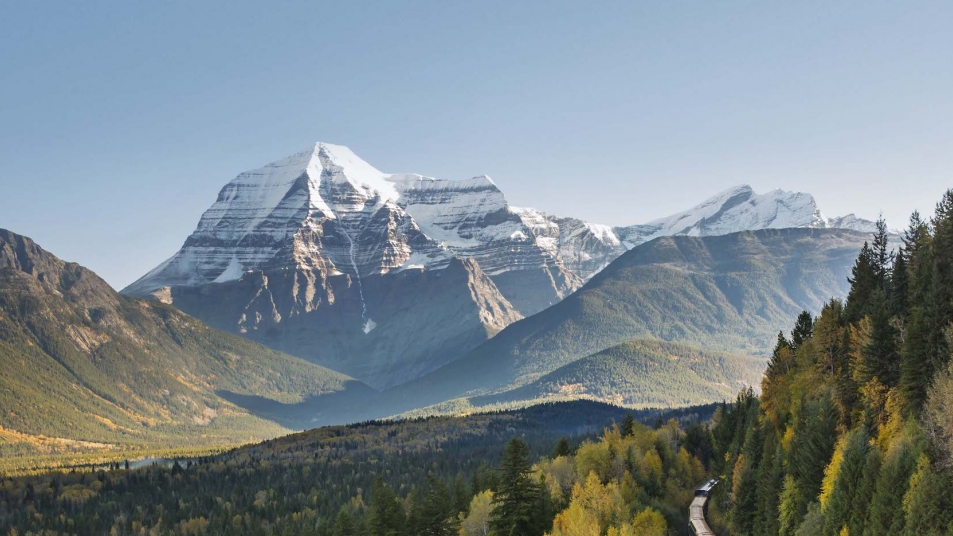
x=642, y=373
x=84, y=369
x=726, y=293
x=853, y=434
x=436, y=476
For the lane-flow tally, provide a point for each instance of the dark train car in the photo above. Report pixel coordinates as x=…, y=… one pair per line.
x=705, y=490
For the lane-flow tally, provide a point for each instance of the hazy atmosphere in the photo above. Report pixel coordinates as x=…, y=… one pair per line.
x=476, y=268
x=121, y=121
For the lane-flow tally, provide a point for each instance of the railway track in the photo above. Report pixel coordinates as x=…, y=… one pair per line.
x=696, y=511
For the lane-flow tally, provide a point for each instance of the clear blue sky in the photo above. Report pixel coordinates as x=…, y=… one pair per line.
x=120, y=121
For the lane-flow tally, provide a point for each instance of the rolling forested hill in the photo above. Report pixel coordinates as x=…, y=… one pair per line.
x=424, y=476
x=643, y=373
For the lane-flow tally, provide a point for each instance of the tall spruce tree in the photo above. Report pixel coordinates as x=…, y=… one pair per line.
x=771, y=492
x=814, y=440
x=941, y=296
x=385, y=514
x=436, y=516
x=881, y=252
x=517, y=498
x=886, y=506
x=628, y=423
x=864, y=279
x=860, y=504
x=803, y=330
x=837, y=511
x=782, y=358
x=918, y=325
x=899, y=287
x=881, y=353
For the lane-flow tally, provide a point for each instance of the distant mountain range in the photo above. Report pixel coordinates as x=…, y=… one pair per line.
x=386, y=277
x=729, y=293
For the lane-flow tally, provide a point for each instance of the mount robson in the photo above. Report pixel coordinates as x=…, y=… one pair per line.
x=319, y=290
x=388, y=277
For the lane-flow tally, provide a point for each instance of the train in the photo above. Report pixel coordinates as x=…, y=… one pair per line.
x=696, y=510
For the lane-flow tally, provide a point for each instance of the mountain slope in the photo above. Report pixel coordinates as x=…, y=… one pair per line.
x=640, y=373
x=82, y=363
x=416, y=319
x=731, y=293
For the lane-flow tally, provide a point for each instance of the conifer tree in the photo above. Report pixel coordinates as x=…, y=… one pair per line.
x=744, y=491
x=345, y=524
x=881, y=252
x=517, y=497
x=782, y=358
x=899, y=287
x=915, y=363
x=771, y=492
x=791, y=507
x=941, y=298
x=863, y=280
x=562, y=448
x=881, y=355
x=461, y=495
x=436, y=516
x=628, y=422
x=928, y=506
x=698, y=442
x=385, y=514
x=850, y=476
x=803, y=330
x=814, y=443
x=886, y=505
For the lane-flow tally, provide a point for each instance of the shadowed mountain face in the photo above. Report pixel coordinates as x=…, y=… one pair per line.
x=82, y=363
x=409, y=322
x=731, y=293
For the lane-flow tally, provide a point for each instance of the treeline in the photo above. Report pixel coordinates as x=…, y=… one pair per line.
x=853, y=434
x=435, y=476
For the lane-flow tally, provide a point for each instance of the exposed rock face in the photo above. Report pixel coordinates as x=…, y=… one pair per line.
x=316, y=243
x=314, y=255
x=410, y=322
x=323, y=209
x=472, y=219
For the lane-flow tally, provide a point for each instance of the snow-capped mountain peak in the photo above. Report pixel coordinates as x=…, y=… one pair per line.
x=331, y=252
x=326, y=208
x=733, y=210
